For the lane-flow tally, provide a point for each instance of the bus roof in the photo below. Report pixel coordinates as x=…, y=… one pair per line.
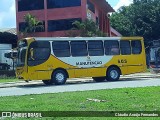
x=83, y=38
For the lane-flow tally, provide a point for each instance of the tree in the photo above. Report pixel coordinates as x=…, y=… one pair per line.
x=86, y=28
x=32, y=24
x=142, y=18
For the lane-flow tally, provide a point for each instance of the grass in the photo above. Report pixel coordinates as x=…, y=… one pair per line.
x=127, y=99
x=4, y=79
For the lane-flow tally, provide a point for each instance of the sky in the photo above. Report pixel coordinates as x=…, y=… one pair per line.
x=8, y=14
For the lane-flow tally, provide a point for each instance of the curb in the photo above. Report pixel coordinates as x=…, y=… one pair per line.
x=75, y=80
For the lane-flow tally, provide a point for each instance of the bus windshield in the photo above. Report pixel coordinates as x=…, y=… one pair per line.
x=22, y=47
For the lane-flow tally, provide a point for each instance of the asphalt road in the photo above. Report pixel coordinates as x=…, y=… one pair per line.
x=80, y=85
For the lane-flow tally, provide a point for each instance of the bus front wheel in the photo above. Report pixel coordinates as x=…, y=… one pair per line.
x=113, y=74
x=59, y=77
x=99, y=79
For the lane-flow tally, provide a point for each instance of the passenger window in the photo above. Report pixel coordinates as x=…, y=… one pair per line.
x=95, y=48
x=136, y=46
x=111, y=47
x=79, y=48
x=61, y=49
x=125, y=47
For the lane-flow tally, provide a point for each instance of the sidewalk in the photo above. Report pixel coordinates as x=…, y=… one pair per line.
x=77, y=80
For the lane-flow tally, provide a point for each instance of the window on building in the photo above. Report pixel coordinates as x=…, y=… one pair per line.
x=39, y=52
x=91, y=6
x=95, y=48
x=62, y=3
x=26, y=5
x=125, y=47
x=136, y=46
x=23, y=25
x=60, y=25
x=61, y=49
x=79, y=48
x=111, y=47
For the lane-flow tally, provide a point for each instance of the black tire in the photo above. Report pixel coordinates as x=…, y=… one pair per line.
x=99, y=79
x=47, y=82
x=113, y=74
x=59, y=77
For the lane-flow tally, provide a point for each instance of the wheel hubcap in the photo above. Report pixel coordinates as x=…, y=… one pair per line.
x=114, y=74
x=59, y=77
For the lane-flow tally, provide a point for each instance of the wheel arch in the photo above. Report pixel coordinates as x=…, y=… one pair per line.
x=115, y=67
x=62, y=70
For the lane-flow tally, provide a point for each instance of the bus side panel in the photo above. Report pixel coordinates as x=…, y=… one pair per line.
x=118, y=61
x=86, y=72
x=135, y=63
x=81, y=73
x=43, y=75
x=138, y=62
x=44, y=71
x=96, y=72
x=124, y=70
x=32, y=74
x=21, y=72
x=71, y=73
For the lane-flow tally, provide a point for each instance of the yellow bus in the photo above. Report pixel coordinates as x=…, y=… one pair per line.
x=54, y=59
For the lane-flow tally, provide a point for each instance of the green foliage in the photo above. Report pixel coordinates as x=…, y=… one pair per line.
x=32, y=24
x=6, y=79
x=86, y=28
x=142, y=18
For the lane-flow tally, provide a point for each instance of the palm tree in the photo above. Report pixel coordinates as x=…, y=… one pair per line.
x=86, y=28
x=31, y=24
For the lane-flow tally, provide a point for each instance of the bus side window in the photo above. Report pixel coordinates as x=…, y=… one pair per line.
x=79, y=48
x=95, y=48
x=125, y=47
x=111, y=47
x=61, y=49
x=136, y=46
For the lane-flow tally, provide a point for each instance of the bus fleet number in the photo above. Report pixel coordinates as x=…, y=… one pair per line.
x=122, y=61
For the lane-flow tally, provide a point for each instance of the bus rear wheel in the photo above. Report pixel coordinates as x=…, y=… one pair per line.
x=47, y=82
x=113, y=74
x=59, y=77
x=99, y=79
